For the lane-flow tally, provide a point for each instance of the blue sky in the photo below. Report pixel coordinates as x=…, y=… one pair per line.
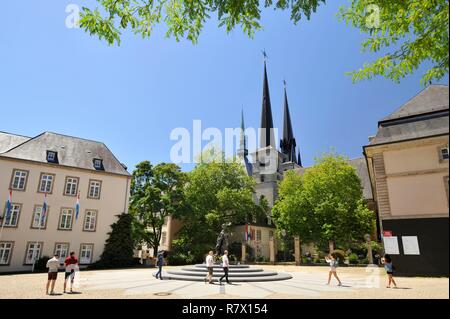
x=131, y=97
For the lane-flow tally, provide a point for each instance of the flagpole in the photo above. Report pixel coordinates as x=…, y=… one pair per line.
x=6, y=213
x=39, y=228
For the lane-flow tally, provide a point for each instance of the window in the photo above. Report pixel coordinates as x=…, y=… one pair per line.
x=252, y=234
x=5, y=252
x=13, y=218
x=65, y=219
x=33, y=252
x=90, y=220
x=46, y=183
x=19, y=180
x=86, y=253
x=52, y=157
x=62, y=250
x=39, y=221
x=94, y=189
x=270, y=234
x=71, y=186
x=258, y=235
x=163, y=237
x=98, y=164
x=444, y=153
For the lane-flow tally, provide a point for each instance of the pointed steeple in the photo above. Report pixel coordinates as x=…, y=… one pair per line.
x=243, y=151
x=288, y=143
x=299, y=160
x=267, y=132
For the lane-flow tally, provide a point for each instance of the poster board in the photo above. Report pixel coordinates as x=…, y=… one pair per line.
x=410, y=245
x=391, y=245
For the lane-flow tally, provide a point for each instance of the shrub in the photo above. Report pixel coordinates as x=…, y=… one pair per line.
x=177, y=259
x=118, y=251
x=353, y=258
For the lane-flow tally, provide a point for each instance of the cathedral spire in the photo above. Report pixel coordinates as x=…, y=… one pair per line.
x=288, y=143
x=243, y=151
x=267, y=132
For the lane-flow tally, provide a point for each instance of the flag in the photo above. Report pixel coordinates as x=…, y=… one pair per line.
x=77, y=207
x=44, y=209
x=9, y=205
x=247, y=234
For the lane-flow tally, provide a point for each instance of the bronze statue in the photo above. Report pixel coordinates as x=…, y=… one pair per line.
x=222, y=240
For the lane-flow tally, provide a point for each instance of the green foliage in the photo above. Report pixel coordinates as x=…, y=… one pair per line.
x=415, y=30
x=217, y=193
x=353, y=258
x=156, y=193
x=183, y=18
x=118, y=251
x=324, y=204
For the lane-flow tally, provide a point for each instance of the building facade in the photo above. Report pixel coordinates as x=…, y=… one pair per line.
x=57, y=172
x=408, y=162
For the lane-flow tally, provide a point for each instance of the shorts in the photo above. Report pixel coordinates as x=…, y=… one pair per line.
x=210, y=271
x=52, y=275
x=333, y=269
x=390, y=273
x=70, y=274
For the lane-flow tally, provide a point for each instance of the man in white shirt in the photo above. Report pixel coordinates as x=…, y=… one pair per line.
x=225, y=266
x=210, y=266
x=53, y=267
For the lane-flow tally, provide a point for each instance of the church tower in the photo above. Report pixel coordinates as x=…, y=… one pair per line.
x=243, y=151
x=267, y=167
x=288, y=144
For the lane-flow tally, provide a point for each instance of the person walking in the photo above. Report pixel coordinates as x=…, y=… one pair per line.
x=210, y=267
x=160, y=264
x=71, y=264
x=389, y=267
x=333, y=265
x=225, y=266
x=53, y=267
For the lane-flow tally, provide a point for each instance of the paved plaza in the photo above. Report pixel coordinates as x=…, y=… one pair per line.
x=306, y=283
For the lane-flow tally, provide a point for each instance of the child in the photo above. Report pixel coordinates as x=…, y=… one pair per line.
x=333, y=265
x=387, y=261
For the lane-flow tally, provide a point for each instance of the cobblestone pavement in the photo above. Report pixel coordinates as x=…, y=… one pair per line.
x=307, y=282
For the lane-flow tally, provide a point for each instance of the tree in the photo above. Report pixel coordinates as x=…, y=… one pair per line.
x=156, y=193
x=183, y=18
x=217, y=193
x=324, y=205
x=415, y=30
x=119, y=246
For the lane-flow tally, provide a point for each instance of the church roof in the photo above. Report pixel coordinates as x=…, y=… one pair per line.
x=71, y=152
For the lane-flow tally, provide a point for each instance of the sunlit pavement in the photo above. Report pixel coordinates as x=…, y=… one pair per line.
x=307, y=282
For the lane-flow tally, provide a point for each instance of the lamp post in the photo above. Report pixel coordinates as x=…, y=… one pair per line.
x=368, y=239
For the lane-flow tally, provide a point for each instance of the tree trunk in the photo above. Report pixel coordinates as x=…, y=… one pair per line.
x=155, y=250
x=331, y=246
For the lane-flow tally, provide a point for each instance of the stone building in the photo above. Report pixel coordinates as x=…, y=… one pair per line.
x=59, y=171
x=408, y=163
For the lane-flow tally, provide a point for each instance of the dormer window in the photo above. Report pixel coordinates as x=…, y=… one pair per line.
x=52, y=157
x=98, y=164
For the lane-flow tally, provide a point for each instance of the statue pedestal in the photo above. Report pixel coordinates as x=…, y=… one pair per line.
x=244, y=252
